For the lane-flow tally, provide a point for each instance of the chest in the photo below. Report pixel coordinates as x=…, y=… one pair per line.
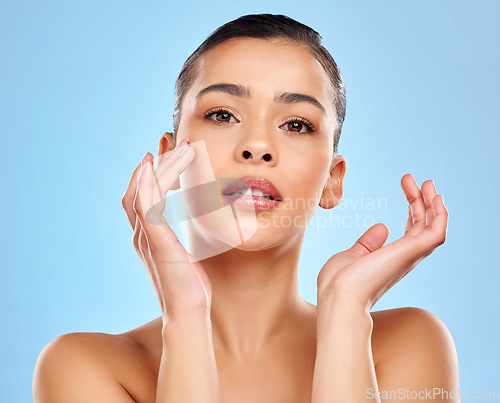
x=285, y=381
x=280, y=378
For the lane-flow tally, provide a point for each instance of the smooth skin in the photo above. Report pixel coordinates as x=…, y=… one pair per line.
x=233, y=327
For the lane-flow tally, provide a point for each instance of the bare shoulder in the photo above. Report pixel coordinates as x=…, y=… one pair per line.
x=396, y=328
x=88, y=367
x=413, y=348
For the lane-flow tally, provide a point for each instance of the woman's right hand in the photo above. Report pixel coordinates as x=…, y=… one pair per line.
x=182, y=287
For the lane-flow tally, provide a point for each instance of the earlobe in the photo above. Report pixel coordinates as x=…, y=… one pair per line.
x=328, y=199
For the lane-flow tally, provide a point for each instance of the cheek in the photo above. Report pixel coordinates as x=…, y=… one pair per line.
x=215, y=144
x=305, y=184
x=309, y=180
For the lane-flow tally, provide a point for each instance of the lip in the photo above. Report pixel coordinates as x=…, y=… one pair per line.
x=252, y=203
x=252, y=182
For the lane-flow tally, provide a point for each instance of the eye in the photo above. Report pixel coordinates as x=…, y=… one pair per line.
x=299, y=125
x=220, y=116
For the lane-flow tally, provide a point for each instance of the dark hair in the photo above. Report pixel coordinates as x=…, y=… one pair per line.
x=265, y=26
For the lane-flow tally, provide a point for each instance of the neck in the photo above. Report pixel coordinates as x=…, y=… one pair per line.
x=256, y=301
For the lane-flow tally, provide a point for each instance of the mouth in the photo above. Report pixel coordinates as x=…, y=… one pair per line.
x=259, y=187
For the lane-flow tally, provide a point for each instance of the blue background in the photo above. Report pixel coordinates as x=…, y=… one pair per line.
x=87, y=88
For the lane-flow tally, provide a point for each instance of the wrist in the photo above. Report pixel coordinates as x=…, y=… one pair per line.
x=338, y=310
x=184, y=315
x=186, y=322
x=345, y=301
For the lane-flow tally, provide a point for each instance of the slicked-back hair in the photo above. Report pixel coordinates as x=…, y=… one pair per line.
x=271, y=27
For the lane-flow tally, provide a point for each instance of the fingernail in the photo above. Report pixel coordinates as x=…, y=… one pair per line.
x=181, y=143
x=183, y=149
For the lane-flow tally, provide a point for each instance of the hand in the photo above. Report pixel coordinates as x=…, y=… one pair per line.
x=181, y=286
x=366, y=271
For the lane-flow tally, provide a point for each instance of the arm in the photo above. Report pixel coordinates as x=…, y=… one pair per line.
x=86, y=367
x=418, y=357
x=68, y=370
x=188, y=371
x=349, y=285
x=344, y=367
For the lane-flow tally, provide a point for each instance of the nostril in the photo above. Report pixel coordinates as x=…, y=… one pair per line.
x=247, y=154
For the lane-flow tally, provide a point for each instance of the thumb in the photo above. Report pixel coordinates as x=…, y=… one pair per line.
x=373, y=239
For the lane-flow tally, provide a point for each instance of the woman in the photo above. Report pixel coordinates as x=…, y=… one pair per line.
x=261, y=104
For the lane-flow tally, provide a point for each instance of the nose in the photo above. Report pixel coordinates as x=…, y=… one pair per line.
x=248, y=155
x=257, y=149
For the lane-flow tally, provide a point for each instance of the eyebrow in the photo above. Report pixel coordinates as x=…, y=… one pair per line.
x=244, y=92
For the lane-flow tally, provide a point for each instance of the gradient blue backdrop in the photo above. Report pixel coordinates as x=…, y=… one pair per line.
x=87, y=88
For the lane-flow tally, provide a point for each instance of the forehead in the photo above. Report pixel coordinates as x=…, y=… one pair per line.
x=266, y=67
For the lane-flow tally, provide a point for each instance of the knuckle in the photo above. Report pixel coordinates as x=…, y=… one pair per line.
x=125, y=200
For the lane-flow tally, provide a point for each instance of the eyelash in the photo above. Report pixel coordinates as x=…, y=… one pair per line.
x=309, y=126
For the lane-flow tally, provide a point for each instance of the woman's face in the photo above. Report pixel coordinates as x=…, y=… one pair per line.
x=295, y=132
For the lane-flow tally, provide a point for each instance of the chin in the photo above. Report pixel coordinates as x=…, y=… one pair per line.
x=260, y=242
x=215, y=234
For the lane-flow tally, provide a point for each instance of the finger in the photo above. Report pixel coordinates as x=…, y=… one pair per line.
x=143, y=249
x=373, y=239
x=166, y=159
x=144, y=195
x=439, y=225
x=428, y=193
x=137, y=231
x=166, y=178
x=170, y=140
x=128, y=197
x=409, y=221
x=416, y=201
x=161, y=240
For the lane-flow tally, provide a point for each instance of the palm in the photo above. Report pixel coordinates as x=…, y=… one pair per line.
x=368, y=269
x=179, y=280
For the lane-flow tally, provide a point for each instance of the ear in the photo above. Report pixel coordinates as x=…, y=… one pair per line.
x=167, y=144
x=333, y=191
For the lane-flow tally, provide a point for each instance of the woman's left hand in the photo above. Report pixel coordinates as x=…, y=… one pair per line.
x=366, y=271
